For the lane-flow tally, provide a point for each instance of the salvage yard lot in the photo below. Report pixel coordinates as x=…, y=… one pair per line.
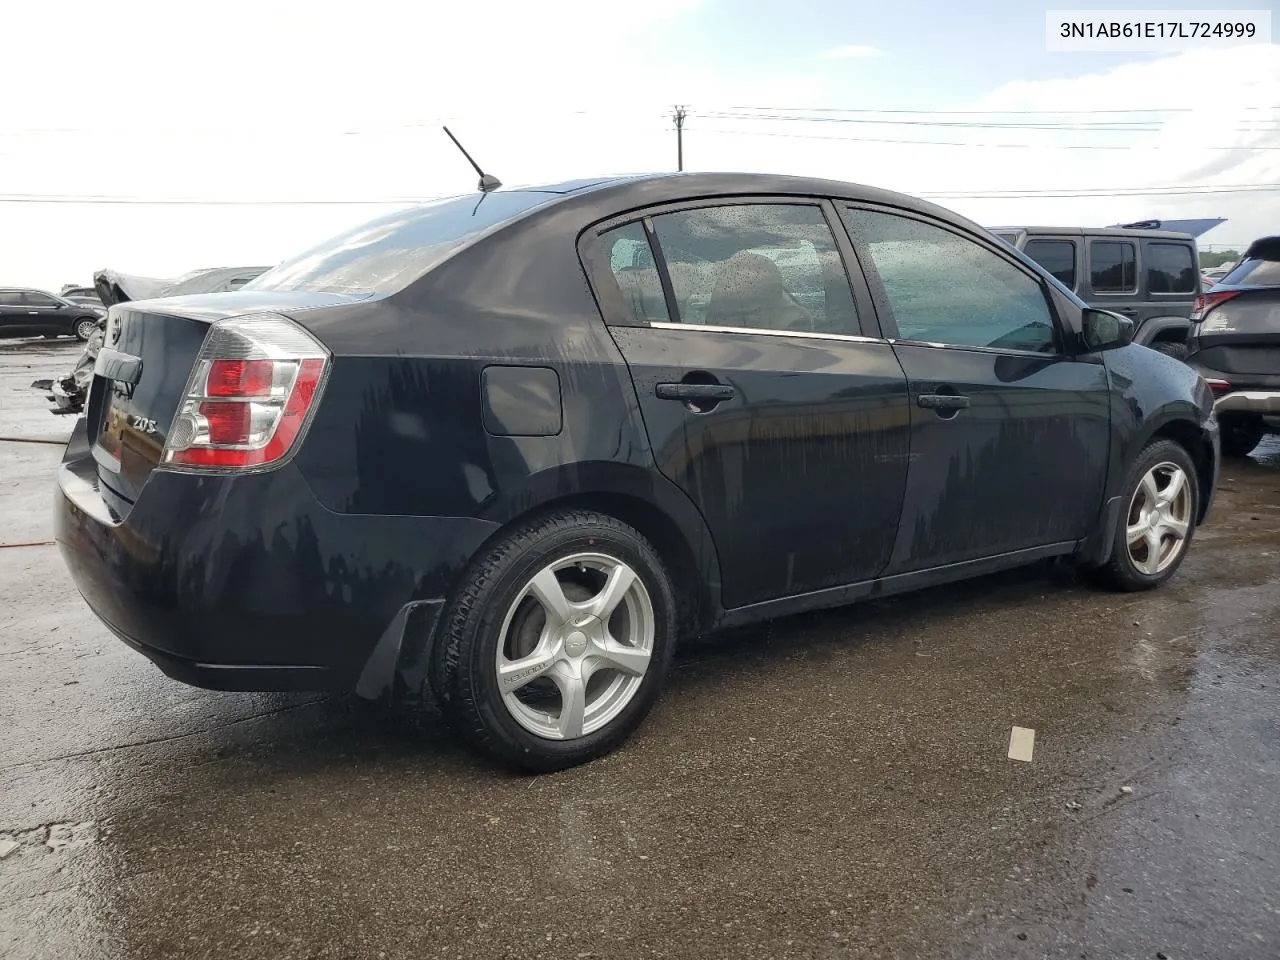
x=835, y=785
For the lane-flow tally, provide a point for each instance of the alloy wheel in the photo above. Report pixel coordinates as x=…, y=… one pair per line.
x=1159, y=519
x=575, y=646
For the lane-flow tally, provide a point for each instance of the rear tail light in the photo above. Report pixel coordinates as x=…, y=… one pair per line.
x=253, y=388
x=1219, y=387
x=1207, y=301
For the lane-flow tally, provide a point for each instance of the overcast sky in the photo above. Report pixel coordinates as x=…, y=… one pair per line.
x=260, y=101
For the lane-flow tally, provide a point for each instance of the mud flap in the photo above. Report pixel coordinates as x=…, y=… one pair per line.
x=1095, y=549
x=398, y=665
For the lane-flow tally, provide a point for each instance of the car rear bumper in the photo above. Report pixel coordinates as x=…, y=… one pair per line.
x=247, y=583
x=1264, y=402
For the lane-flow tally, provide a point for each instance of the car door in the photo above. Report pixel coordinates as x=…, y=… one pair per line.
x=45, y=314
x=13, y=311
x=768, y=394
x=1009, y=431
x=1113, y=276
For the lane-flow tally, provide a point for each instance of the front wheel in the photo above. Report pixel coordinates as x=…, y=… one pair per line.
x=1240, y=434
x=85, y=328
x=556, y=646
x=1163, y=498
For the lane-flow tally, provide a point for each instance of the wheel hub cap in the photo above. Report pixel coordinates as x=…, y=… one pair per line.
x=1160, y=516
x=591, y=653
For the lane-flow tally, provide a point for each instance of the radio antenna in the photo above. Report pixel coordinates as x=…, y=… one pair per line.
x=487, y=181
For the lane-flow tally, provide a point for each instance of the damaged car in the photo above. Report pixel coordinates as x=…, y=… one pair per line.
x=504, y=450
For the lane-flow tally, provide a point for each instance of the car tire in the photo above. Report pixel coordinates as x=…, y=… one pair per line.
x=1148, y=549
x=584, y=601
x=85, y=328
x=1171, y=348
x=1240, y=434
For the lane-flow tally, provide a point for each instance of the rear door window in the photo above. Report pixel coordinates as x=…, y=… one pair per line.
x=768, y=266
x=1171, y=267
x=633, y=267
x=10, y=298
x=1056, y=256
x=1113, y=266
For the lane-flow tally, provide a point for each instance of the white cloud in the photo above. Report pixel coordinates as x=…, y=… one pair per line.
x=853, y=51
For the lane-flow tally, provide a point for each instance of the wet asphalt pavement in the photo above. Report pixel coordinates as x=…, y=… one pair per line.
x=834, y=785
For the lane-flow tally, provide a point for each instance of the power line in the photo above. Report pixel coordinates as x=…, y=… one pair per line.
x=954, y=143
x=983, y=112
x=1097, y=126
x=180, y=202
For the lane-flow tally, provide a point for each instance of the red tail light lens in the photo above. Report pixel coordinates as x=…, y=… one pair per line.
x=241, y=378
x=251, y=393
x=1207, y=301
x=1219, y=387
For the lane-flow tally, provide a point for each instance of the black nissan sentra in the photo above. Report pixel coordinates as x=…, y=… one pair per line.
x=507, y=448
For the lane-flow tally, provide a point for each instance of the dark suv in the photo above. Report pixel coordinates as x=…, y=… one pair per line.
x=1235, y=344
x=1150, y=276
x=509, y=447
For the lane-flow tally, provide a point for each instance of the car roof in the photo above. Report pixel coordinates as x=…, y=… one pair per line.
x=618, y=194
x=1095, y=232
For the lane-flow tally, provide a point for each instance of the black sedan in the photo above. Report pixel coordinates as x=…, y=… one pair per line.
x=506, y=448
x=29, y=313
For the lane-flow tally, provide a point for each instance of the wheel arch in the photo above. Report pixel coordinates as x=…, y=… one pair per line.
x=650, y=504
x=1156, y=329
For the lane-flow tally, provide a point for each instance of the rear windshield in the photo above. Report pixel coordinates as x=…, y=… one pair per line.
x=385, y=255
x=1260, y=266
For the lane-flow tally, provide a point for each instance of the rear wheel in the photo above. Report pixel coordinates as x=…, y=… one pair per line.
x=1240, y=434
x=85, y=327
x=1163, y=499
x=556, y=647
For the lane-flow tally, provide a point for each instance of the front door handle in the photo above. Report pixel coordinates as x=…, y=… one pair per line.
x=942, y=401
x=694, y=391
x=1127, y=310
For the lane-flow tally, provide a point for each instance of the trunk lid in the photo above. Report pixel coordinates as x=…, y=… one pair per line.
x=143, y=369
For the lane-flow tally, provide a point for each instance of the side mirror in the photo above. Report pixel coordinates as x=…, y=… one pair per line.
x=1102, y=330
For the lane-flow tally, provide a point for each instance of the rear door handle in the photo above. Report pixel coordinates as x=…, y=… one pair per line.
x=942, y=401
x=694, y=391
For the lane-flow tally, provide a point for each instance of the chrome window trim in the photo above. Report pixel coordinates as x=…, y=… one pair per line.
x=807, y=335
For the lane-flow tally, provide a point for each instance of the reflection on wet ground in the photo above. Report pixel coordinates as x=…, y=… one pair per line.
x=834, y=785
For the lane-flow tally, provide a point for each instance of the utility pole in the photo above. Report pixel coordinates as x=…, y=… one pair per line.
x=678, y=117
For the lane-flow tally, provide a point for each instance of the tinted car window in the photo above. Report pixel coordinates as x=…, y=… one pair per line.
x=1113, y=266
x=760, y=266
x=943, y=288
x=1056, y=256
x=1260, y=266
x=1171, y=268
x=36, y=299
x=632, y=264
x=10, y=298
x=387, y=254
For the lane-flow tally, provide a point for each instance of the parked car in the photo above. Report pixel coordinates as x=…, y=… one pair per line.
x=1235, y=345
x=85, y=295
x=508, y=448
x=25, y=312
x=1150, y=276
x=113, y=286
